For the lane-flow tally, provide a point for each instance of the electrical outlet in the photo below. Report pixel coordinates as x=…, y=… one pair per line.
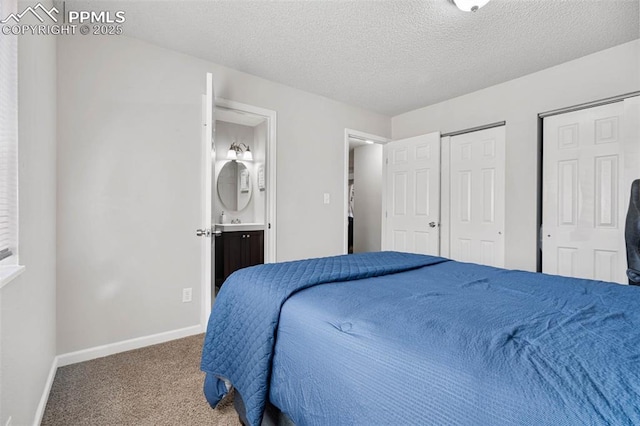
x=186, y=295
x=8, y=422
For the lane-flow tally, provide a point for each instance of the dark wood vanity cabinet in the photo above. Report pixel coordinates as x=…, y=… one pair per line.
x=236, y=250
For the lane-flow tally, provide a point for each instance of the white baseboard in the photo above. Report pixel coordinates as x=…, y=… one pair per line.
x=126, y=345
x=45, y=393
x=105, y=350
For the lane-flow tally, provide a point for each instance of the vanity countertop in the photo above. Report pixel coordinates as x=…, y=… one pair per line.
x=239, y=227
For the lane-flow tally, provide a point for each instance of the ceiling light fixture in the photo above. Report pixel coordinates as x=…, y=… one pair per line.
x=469, y=5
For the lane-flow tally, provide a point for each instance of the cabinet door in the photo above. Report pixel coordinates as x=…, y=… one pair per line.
x=218, y=264
x=254, y=248
x=234, y=257
x=238, y=250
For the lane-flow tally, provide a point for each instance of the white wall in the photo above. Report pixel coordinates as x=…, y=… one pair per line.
x=128, y=182
x=28, y=337
x=367, y=183
x=604, y=74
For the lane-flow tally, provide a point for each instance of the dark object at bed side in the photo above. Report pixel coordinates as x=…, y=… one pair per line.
x=632, y=234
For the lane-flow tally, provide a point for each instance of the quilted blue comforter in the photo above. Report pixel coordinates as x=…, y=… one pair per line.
x=240, y=335
x=460, y=344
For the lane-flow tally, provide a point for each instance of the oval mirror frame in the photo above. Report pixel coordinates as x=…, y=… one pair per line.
x=234, y=186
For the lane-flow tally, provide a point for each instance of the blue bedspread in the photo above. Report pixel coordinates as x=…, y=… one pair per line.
x=460, y=344
x=241, y=331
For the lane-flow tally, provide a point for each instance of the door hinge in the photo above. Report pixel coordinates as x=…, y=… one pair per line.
x=386, y=160
x=269, y=226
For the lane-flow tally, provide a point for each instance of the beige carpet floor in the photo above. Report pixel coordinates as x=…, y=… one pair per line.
x=156, y=385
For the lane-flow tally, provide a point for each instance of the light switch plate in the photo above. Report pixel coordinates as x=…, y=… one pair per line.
x=186, y=295
x=327, y=198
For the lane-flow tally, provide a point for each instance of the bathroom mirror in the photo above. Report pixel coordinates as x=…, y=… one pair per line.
x=234, y=186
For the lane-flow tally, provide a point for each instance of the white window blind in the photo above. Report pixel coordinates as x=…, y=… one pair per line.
x=8, y=137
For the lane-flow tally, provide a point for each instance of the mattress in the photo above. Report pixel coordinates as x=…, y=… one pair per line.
x=459, y=344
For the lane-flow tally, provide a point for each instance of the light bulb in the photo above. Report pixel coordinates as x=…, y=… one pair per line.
x=470, y=5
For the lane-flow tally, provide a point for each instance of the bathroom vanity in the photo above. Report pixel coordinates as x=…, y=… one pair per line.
x=238, y=246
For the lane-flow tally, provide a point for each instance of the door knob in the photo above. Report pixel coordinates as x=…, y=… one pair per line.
x=432, y=224
x=203, y=232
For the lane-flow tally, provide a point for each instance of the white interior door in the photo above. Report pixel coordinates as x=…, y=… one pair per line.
x=208, y=161
x=476, y=196
x=412, y=195
x=588, y=165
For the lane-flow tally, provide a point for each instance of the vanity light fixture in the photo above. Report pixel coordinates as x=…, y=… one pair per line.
x=469, y=5
x=239, y=151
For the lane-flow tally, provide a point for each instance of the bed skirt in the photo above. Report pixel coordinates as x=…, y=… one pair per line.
x=272, y=414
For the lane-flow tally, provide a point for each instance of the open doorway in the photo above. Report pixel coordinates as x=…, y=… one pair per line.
x=239, y=208
x=363, y=191
x=246, y=194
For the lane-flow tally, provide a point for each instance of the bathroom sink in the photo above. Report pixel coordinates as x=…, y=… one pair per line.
x=235, y=227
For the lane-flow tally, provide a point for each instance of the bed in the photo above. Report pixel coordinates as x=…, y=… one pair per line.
x=396, y=338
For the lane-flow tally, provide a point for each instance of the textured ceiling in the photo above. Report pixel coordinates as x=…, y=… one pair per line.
x=389, y=56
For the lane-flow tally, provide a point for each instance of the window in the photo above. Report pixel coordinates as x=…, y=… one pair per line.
x=8, y=142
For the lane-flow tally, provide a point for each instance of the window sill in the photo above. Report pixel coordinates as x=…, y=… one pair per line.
x=9, y=272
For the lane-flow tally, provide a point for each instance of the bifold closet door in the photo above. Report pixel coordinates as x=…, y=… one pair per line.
x=475, y=195
x=590, y=158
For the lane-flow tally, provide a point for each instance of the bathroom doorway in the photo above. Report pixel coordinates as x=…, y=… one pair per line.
x=243, y=189
x=363, y=191
x=248, y=134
